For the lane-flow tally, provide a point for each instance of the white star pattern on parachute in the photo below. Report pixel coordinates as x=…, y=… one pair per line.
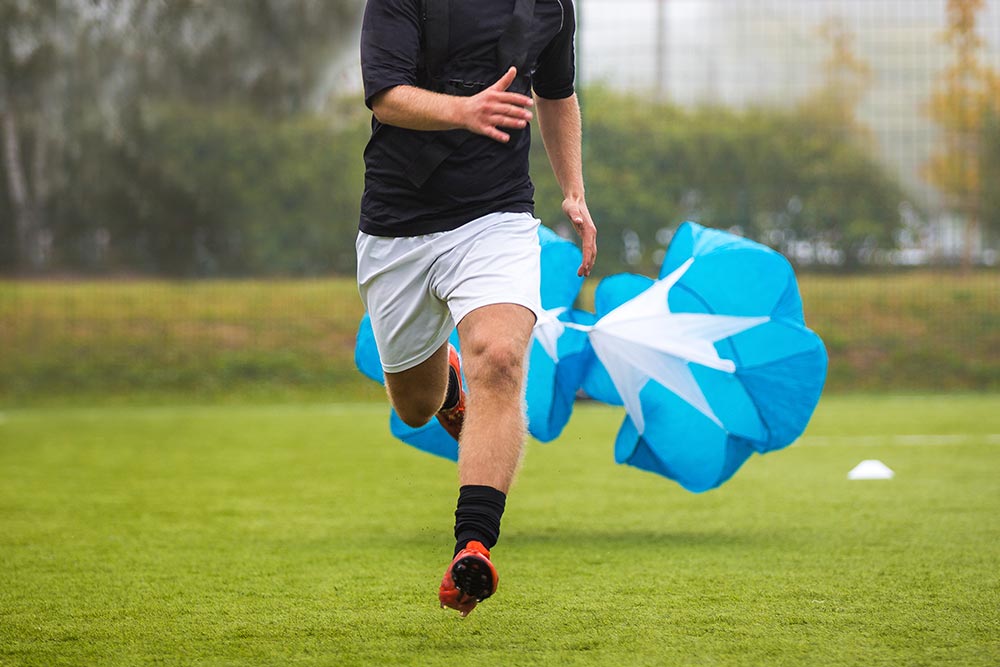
x=642, y=340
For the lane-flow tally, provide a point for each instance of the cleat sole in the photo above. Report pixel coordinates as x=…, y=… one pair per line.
x=473, y=577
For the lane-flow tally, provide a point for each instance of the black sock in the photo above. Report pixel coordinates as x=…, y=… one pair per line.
x=477, y=516
x=451, y=396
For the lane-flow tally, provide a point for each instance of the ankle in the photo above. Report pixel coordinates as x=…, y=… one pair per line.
x=478, y=515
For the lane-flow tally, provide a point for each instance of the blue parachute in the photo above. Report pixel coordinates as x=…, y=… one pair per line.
x=712, y=361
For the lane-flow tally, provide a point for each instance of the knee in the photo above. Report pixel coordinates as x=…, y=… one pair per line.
x=497, y=363
x=416, y=411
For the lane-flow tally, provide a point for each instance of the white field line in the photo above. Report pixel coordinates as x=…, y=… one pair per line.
x=907, y=440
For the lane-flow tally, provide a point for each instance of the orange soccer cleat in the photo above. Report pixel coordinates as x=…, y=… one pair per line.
x=452, y=418
x=469, y=579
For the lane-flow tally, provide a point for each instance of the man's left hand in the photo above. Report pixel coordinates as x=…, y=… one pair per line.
x=576, y=210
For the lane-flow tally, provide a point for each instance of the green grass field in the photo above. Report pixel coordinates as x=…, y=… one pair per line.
x=305, y=535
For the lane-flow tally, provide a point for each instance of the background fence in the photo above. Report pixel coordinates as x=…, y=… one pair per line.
x=778, y=53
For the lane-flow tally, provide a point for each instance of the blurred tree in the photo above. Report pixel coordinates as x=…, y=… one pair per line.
x=846, y=79
x=851, y=226
x=966, y=95
x=271, y=54
x=990, y=156
x=78, y=78
x=248, y=195
x=30, y=34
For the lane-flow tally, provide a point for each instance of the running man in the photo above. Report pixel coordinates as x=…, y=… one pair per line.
x=448, y=234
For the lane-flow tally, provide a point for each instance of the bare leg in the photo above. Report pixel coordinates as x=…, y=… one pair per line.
x=417, y=393
x=495, y=342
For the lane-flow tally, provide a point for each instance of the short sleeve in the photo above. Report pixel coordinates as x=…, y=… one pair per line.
x=555, y=70
x=390, y=45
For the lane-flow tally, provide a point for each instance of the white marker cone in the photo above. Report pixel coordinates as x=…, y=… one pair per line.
x=871, y=469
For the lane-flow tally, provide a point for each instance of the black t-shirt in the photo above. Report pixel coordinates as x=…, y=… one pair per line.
x=482, y=176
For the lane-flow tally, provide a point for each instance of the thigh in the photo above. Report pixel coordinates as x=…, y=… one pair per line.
x=427, y=379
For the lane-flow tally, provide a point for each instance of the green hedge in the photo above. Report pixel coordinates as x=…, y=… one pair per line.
x=149, y=340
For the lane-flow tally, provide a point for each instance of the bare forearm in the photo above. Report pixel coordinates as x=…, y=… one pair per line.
x=485, y=113
x=414, y=108
x=560, y=126
x=559, y=123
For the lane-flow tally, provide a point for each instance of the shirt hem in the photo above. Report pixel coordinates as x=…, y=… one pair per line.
x=421, y=228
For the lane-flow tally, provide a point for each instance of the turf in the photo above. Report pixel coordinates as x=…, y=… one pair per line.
x=304, y=535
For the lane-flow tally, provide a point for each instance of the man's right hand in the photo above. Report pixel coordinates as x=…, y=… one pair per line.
x=494, y=108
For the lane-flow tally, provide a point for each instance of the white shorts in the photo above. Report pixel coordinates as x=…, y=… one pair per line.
x=416, y=288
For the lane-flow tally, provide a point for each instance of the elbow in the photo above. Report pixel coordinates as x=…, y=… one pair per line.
x=379, y=107
x=382, y=105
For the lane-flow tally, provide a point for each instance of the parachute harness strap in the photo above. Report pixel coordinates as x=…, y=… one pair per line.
x=512, y=50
